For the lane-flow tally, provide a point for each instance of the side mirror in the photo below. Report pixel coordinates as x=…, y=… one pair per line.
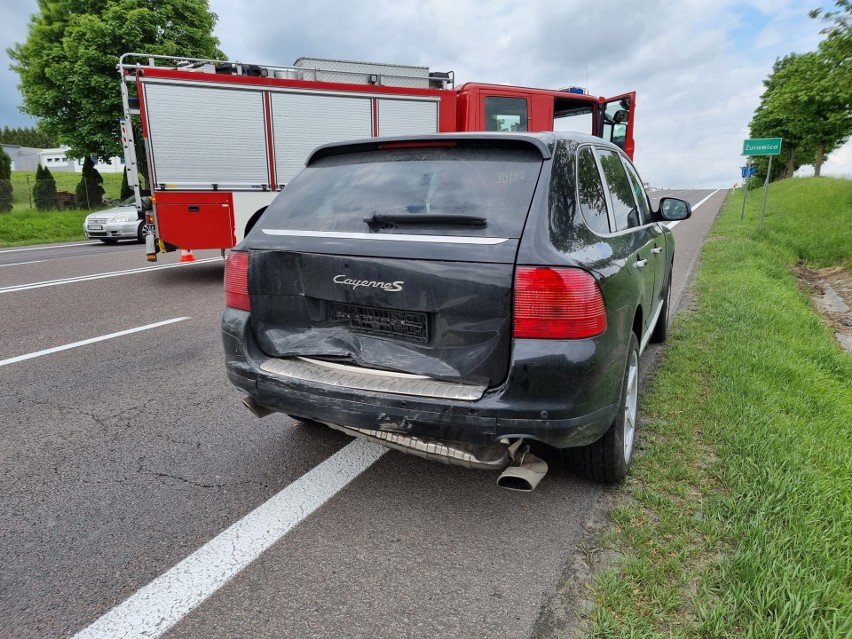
x=673, y=209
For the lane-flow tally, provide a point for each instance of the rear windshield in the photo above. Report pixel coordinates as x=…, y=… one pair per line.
x=447, y=191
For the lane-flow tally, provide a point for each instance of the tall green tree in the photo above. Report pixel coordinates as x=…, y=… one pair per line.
x=126, y=191
x=5, y=165
x=837, y=45
x=808, y=103
x=5, y=181
x=839, y=29
x=90, y=190
x=44, y=190
x=771, y=123
x=27, y=136
x=67, y=65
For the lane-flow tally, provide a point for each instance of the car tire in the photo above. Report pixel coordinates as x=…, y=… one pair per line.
x=608, y=459
x=661, y=330
x=108, y=240
x=141, y=233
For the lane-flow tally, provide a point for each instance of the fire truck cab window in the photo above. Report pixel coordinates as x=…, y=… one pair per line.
x=570, y=116
x=616, y=118
x=505, y=114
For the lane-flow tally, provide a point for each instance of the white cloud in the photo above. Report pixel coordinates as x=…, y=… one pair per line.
x=697, y=65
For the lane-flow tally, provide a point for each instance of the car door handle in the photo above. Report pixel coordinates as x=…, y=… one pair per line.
x=640, y=263
x=657, y=251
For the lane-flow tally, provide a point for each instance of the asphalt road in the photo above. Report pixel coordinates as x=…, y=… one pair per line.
x=125, y=455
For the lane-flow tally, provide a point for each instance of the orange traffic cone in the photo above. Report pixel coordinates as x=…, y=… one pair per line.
x=186, y=256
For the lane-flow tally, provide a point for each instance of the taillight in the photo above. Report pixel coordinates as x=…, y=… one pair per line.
x=557, y=303
x=236, y=281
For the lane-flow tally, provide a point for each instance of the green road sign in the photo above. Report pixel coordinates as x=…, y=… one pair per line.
x=762, y=146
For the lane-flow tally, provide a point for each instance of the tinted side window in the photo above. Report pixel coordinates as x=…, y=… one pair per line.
x=639, y=192
x=591, y=192
x=505, y=114
x=624, y=206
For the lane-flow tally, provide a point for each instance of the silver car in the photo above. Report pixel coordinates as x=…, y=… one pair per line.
x=121, y=222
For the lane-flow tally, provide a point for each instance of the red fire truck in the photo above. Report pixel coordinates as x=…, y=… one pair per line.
x=222, y=138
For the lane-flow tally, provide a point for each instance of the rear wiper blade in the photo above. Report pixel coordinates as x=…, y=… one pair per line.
x=391, y=219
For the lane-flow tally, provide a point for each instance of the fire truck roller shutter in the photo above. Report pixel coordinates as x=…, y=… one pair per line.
x=206, y=135
x=301, y=122
x=407, y=116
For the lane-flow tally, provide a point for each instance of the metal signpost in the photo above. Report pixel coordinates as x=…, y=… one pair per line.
x=760, y=146
x=748, y=171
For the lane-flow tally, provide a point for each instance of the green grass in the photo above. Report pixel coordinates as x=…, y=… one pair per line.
x=809, y=217
x=737, y=516
x=25, y=225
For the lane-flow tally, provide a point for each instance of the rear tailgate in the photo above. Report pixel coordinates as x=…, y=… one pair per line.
x=448, y=320
x=395, y=259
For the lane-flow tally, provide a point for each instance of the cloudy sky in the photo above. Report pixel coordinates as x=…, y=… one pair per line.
x=697, y=65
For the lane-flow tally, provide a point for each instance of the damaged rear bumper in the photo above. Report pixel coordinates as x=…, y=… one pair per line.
x=532, y=403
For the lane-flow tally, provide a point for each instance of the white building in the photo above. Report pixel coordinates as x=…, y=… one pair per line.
x=58, y=160
x=24, y=158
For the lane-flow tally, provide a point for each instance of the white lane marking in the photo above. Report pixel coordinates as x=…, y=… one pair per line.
x=705, y=199
x=44, y=248
x=98, y=276
x=671, y=225
x=93, y=340
x=157, y=607
x=22, y=263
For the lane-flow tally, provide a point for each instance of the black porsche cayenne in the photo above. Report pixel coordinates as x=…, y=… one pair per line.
x=455, y=295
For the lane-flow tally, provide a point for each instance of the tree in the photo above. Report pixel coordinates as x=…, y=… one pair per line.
x=27, y=136
x=90, y=191
x=769, y=123
x=67, y=65
x=836, y=50
x=5, y=181
x=5, y=165
x=837, y=46
x=44, y=190
x=808, y=104
x=839, y=32
x=126, y=191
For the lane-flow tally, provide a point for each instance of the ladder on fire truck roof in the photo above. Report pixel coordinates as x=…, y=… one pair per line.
x=311, y=69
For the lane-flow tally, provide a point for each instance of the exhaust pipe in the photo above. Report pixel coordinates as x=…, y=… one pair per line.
x=524, y=472
x=258, y=410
